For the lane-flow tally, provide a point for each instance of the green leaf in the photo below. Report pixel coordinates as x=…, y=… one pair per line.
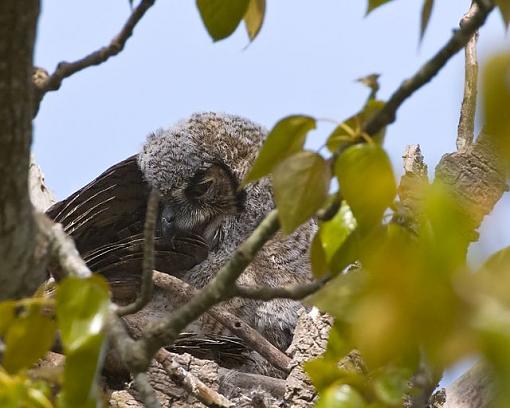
x=7, y=309
x=286, y=138
x=81, y=368
x=493, y=324
x=82, y=308
x=323, y=372
x=300, y=184
x=29, y=336
x=493, y=278
x=221, y=17
x=504, y=8
x=391, y=385
x=366, y=182
x=350, y=131
x=318, y=257
x=341, y=396
x=426, y=12
x=334, y=232
x=254, y=17
x=373, y=4
x=338, y=295
x=496, y=100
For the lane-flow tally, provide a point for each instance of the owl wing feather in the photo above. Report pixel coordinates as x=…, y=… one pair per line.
x=106, y=220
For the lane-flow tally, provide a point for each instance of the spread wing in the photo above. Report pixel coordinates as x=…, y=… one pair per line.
x=106, y=219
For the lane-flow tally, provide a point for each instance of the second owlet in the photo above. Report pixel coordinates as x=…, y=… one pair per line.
x=196, y=166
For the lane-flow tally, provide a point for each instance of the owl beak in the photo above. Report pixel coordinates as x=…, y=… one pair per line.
x=168, y=229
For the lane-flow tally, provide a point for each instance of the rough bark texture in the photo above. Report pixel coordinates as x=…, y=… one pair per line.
x=476, y=176
x=41, y=196
x=20, y=271
x=310, y=340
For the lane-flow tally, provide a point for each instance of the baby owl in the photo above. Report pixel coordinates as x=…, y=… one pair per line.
x=196, y=166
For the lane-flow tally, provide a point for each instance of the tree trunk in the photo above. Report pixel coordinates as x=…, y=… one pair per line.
x=20, y=271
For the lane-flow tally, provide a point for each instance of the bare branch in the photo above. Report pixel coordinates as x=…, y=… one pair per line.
x=147, y=393
x=190, y=383
x=231, y=379
x=66, y=69
x=466, y=128
x=62, y=251
x=237, y=326
x=296, y=292
x=459, y=39
x=148, y=257
x=166, y=330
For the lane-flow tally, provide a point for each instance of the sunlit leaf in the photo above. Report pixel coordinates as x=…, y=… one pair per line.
x=341, y=396
x=351, y=129
x=81, y=369
x=7, y=309
x=20, y=391
x=493, y=323
x=300, y=185
x=286, y=138
x=323, y=372
x=391, y=384
x=426, y=12
x=334, y=232
x=318, y=257
x=373, y=4
x=504, y=8
x=254, y=17
x=496, y=98
x=493, y=278
x=29, y=336
x=367, y=182
x=82, y=307
x=221, y=17
x=338, y=295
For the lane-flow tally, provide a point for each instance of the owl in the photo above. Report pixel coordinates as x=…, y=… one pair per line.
x=197, y=167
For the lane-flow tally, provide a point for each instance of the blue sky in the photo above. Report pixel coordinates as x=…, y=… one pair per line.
x=304, y=61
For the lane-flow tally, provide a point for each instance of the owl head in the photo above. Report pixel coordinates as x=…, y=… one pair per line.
x=197, y=166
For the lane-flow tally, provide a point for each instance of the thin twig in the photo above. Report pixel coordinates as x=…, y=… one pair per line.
x=145, y=294
x=236, y=325
x=459, y=39
x=166, y=330
x=147, y=393
x=62, y=251
x=66, y=69
x=466, y=128
x=190, y=383
x=295, y=292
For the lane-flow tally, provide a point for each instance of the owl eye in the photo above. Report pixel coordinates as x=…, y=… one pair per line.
x=199, y=189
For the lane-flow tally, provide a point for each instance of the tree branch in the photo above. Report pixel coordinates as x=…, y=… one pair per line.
x=21, y=271
x=459, y=39
x=237, y=326
x=465, y=132
x=190, y=383
x=147, y=393
x=148, y=257
x=295, y=292
x=42, y=84
x=166, y=330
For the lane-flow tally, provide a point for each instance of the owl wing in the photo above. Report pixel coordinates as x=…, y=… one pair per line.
x=106, y=219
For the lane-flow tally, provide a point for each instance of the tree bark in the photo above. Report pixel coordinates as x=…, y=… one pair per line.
x=20, y=271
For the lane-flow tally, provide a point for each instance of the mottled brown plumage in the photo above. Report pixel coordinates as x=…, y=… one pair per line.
x=196, y=166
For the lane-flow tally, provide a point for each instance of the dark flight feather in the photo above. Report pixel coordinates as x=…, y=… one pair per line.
x=106, y=219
